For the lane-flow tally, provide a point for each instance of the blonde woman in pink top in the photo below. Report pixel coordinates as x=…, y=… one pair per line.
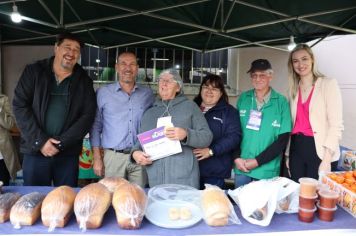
x=316, y=109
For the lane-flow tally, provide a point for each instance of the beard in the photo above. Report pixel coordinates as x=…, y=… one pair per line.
x=127, y=79
x=67, y=65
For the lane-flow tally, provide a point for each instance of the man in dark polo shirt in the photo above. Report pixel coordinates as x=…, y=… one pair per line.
x=54, y=105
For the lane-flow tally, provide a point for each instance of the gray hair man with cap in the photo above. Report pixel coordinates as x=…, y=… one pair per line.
x=266, y=124
x=185, y=123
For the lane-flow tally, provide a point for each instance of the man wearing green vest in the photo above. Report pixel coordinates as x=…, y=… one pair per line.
x=266, y=124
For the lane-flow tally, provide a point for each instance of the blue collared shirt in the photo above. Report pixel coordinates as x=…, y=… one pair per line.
x=118, y=116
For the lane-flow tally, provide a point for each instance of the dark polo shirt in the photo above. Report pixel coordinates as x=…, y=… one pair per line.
x=57, y=106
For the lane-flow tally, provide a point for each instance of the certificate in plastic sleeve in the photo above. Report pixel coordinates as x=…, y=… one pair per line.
x=157, y=145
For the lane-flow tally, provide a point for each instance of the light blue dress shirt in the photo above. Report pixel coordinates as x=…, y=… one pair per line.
x=118, y=116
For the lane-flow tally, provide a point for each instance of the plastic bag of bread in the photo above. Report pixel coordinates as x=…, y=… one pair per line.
x=113, y=182
x=217, y=208
x=288, y=196
x=57, y=207
x=90, y=205
x=26, y=210
x=7, y=200
x=129, y=202
x=258, y=200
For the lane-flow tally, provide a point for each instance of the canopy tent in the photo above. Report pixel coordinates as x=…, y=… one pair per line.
x=199, y=25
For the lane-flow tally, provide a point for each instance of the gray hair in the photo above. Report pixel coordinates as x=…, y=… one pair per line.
x=176, y=76
x=268, y=71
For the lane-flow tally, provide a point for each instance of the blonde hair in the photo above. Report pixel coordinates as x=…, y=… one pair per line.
x=293, y=77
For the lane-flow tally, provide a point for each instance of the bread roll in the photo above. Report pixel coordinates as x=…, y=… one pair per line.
x=215, y=206
x=185, y=213
x=7, y=200
x=129, y=202
x=113, y=182
x=57, y=207
x=27, y=209
x=173, y=213
x=90, y=205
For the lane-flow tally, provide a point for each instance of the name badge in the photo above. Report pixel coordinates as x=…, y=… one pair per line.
x=254, y=122
x=165, y=121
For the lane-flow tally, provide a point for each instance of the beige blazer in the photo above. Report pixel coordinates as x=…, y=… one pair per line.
x=7, y=121
x=325, y=115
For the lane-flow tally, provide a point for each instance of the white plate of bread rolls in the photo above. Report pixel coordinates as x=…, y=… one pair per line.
x=173, y=214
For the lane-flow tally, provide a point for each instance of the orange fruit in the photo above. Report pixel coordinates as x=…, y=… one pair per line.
x=332, y=176
x=354, y=173
x=350, y=180
x=340, y=179
x=353, y=188
x=349, y=174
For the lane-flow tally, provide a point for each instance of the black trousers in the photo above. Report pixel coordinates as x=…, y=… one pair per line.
x=39, y=170
x=303, y=159
x=4, y=173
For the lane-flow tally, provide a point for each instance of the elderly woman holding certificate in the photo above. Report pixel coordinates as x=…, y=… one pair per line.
x=184, y=123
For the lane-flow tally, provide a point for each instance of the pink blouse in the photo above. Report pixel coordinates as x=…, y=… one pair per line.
x=302, y=123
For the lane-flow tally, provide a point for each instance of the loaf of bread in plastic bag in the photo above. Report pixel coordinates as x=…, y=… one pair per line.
x=215, y=206
x=113, y=182
x=7, y=200
x=57, y=207
x=129, y=202
x=27, y=209
x=90, y=205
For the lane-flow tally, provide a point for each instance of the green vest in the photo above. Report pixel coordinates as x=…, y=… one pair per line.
x=276, y=120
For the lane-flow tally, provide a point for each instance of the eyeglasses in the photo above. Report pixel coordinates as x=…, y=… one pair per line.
x=166, y=81
x=210, y=89
x=259, y=75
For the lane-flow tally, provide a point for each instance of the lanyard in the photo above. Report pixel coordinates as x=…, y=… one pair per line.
x=258, y=109
x=166, y=111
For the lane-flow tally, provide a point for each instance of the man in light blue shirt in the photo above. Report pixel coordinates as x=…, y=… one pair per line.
x=120, y=108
